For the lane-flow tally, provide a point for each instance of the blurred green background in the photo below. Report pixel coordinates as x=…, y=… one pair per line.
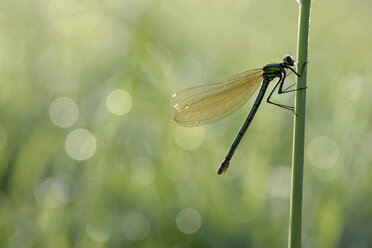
x=90, y=156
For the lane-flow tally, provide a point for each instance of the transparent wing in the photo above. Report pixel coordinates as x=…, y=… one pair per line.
x=211, y=102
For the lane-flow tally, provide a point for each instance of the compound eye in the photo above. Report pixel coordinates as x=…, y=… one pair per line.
x=289, y=60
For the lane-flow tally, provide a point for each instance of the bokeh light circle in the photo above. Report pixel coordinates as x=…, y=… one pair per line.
x=189, y=138
x=188, y=221
x=136, y=226
x=51, y=193
x=352, y=86
x=119, y=102
x=323, y=152
x=80, y=144
x=98, y=233
x=63, y=112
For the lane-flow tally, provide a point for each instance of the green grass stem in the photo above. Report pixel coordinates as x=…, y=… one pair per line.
x=294, y=240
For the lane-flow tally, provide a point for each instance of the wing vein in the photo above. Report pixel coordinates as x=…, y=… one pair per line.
x=211, y=102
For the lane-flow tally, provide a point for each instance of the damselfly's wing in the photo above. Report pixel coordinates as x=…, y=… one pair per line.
x=211, y=102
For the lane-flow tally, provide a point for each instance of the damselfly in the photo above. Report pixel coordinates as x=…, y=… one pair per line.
x=211, y=102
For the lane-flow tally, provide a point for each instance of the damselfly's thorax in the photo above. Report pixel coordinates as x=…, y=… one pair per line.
x=272, y=71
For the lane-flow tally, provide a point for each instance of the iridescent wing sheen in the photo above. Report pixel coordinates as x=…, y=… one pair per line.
x=211, y=102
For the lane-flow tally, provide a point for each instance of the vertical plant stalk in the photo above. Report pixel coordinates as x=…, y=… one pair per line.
x=295, y=219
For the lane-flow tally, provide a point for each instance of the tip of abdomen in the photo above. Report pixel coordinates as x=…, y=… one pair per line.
x=223, y=167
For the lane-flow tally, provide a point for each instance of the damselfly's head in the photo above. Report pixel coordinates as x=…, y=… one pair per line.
x=288, y=60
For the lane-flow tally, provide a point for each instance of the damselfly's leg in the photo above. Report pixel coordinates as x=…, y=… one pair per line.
x=285, y=90
x=281, y=91
x=280, y=82
x=302, y=70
